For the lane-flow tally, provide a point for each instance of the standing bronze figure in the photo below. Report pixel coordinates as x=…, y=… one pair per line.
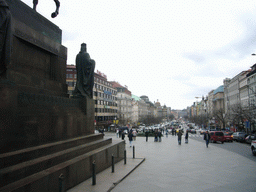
x=5, y=37
x=54, y=14
x=85, y=74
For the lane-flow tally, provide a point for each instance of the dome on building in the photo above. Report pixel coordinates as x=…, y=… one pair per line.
x=144, y=97
x=220, y=89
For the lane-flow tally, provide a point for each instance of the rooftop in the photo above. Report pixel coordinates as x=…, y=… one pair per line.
x=220, y=89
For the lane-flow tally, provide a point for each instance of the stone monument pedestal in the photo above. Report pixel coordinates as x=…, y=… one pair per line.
x=44, y=133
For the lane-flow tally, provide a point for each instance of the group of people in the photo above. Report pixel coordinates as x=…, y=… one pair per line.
x=206, y=137
x=158, y=134
x=179, y=133
x=131, y=135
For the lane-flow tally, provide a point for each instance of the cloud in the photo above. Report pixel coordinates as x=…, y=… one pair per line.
x=195, y=57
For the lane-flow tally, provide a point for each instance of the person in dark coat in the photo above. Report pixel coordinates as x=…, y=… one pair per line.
x=207, y=138
x=186, y=137
x=146, y=134
x=130, y=136
x=179, y=137
x=159, y=135
x=156, y=135
x=123, y=135
x=120, y=133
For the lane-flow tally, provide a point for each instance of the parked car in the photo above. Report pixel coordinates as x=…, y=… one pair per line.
x=250, y=138
x=239, y=136
x=217, y=136
x=228, y=136
x=253, y=147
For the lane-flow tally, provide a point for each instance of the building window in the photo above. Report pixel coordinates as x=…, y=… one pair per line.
x=70, y=75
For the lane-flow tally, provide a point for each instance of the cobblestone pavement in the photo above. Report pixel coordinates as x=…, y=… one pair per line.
x=171, y=167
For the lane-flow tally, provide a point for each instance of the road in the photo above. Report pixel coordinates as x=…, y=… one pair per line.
x=243, y=149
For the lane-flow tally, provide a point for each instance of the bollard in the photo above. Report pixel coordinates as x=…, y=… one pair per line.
x=124, y=156
x=113, y=164
x=133, y=151
x=93, y=173
x=61, y=183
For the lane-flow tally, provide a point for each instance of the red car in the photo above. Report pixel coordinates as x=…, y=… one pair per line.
x=217, y=136
x=228, y=137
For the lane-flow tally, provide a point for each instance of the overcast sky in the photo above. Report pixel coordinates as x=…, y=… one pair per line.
x=169, y=50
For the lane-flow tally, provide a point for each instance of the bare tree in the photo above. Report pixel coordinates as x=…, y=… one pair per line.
x=239, y=114
x=221, y=117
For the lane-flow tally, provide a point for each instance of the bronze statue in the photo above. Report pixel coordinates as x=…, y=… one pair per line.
x=85, y=74
x=54, y=14
x=5, y=37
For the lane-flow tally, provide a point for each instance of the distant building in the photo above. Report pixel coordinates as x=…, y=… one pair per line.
x=71, y=76
x=209, y=104
x=218, y=98
x=141, y=114
x=151, y=108
x=124, y=102
x=104, y=95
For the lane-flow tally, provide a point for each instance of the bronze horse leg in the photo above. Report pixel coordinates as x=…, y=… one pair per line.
x=35, y=2
x=54, y=14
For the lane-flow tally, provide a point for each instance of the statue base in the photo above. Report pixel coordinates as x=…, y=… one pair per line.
x=44, y=133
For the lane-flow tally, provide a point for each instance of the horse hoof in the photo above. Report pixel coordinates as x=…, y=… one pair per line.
x=54, y=14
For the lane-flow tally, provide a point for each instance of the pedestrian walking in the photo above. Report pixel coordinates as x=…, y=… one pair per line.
x=146, y=134
x=166, y=132
x=175, y=131
x=134, y=135
x=120, y=133
x=123, y=135
x=179, y=137
x=207, y=138
x=117, y=133
x=186, y=137
x=156, y=135
x=159, y=135
x=130, y=136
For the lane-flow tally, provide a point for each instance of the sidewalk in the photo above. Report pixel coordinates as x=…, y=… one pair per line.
x=106, y=180
x=171, y=167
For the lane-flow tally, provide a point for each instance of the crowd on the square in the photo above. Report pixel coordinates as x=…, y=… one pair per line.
x=156, y=133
